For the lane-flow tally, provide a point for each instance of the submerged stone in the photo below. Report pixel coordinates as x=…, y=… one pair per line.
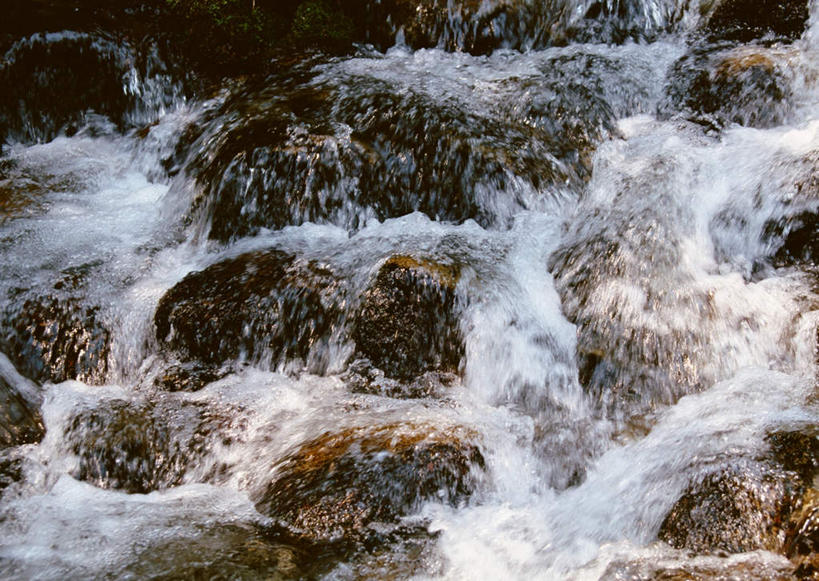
x=337, y=485
x=235, y=551
x=51, y=338
x=20, y=420
x=261, y=305
x=139, y=447
x=407, y=323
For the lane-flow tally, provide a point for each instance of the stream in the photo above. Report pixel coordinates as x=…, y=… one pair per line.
x=412, y=312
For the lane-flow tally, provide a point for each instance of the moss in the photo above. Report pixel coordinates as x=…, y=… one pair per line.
x=317, y=22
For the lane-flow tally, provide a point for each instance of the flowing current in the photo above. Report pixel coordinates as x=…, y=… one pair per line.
x=623, y=319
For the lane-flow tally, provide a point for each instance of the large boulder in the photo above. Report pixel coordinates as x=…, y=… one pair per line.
x=262, y=306
x=55, y=338
x=353, y=147
x=767, y=503
x=407, y=323
x=335, y=486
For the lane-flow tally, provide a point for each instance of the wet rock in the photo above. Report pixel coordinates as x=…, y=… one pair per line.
x=353, y=148
x=796, y=450
x=139, y=447
x=20, y=421
x=407, y=323
x=230, y=551
x=44, y=96
x=51, y=338
x=802, y=544
x=741, y=508
x=746, y=20
x=800, y=240
x=189, y=376
x=481, y=27
x=748, y=85
x=11, y=472
x=335, y=486
x=260, y=306
x=362, y=377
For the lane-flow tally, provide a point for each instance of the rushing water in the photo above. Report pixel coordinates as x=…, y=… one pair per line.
x=624, y=326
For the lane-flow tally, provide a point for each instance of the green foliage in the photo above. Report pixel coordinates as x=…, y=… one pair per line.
x=317, y=22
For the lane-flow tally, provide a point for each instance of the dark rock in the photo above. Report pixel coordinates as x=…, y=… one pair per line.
x=800, y=240
x=44, y=96
x=738, y=509
x=140, y=447
x=336, y=485
x=11, y=472
x=282, y=155
x=796, y=450
x=56, y=339
x=20, y=421
x=746, y=20
x=723, y=84
x=407, y=323
x=189, y=377
x=260, y=305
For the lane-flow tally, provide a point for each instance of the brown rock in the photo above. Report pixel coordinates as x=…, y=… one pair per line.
x=407, y=323
x=336, y=485
x=737, y=509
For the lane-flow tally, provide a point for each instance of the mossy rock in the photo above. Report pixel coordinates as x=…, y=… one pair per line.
x=334, y=486
x=746, y=85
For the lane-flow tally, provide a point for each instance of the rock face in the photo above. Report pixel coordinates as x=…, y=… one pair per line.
x=20, y=422
x=741, y=509
x=139, y=447
x=407, y=323
x=336, y=485
x=51, y=338
x=260, y=305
